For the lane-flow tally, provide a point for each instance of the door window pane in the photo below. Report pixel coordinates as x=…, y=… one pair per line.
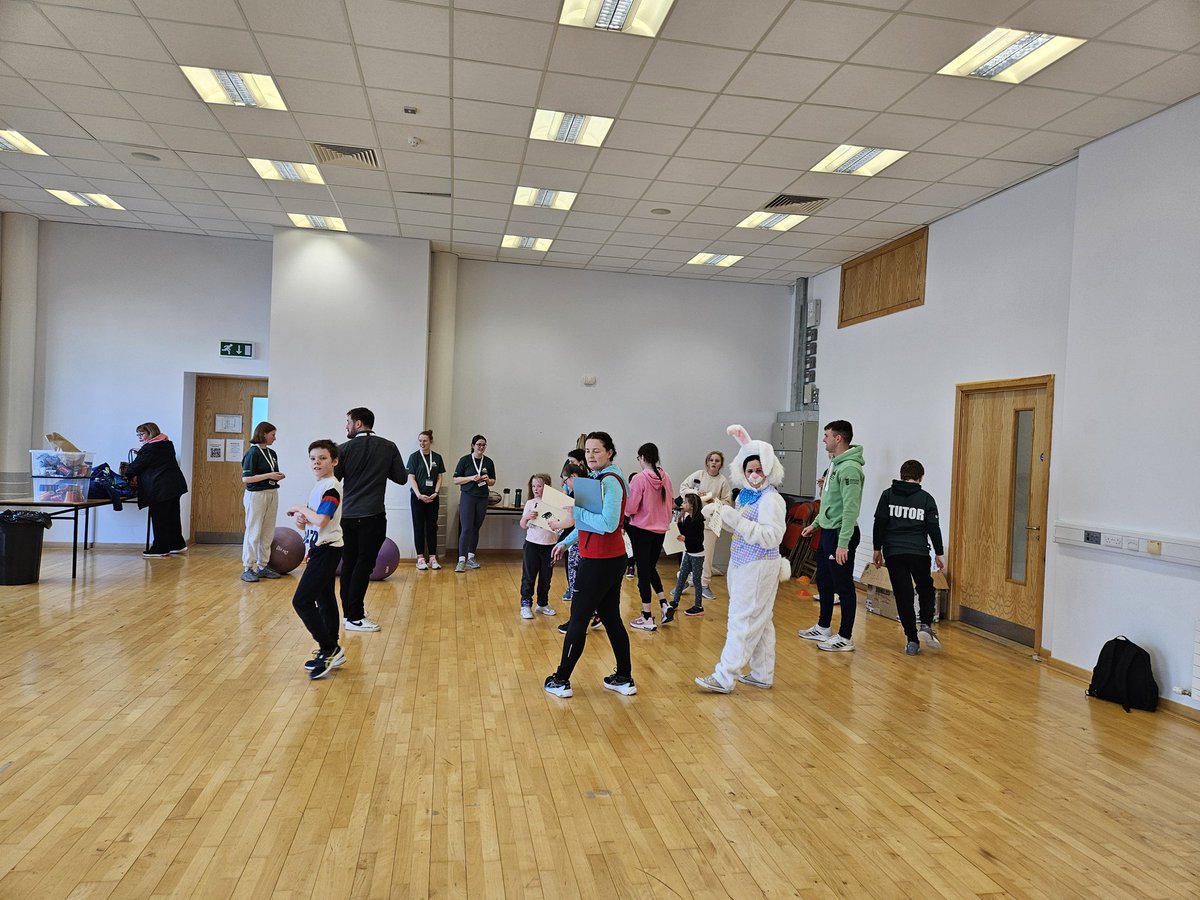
x=258, y=410
x=1018, y=550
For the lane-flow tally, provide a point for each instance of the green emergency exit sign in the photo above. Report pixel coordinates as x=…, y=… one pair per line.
x=237, y=348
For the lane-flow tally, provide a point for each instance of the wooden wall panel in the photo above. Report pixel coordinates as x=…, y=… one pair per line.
x=885, y=280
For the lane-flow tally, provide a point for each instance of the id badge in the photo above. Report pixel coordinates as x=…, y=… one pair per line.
x=428, y=482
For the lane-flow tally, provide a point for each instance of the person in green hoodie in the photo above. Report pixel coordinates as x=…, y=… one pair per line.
x=841, y=499
x=906, y=523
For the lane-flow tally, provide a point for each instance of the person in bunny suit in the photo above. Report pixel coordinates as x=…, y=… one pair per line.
x=755, y=566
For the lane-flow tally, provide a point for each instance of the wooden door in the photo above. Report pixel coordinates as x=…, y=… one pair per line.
x=218, y=516
x=998, y=500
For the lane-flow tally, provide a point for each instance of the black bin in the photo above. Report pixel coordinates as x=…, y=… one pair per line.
x=21, y=533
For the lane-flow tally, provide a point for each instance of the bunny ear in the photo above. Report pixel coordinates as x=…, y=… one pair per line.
x=738, y=433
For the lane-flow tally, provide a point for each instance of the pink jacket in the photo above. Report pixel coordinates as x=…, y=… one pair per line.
x=650, y=500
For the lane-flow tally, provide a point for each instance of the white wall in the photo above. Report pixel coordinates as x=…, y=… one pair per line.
x=1130, y=429
x=349, y=326
x=676, y=361
x=997, y=289
x=122, y=316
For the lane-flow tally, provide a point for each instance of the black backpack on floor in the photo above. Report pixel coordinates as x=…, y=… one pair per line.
x=1123, y=675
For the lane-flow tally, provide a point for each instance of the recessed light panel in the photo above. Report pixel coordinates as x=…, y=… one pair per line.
x=713, y=259
x=229, y=88
x=75, y=198
x=278, y=170
x=516, y=242
x=771, y=221
x=1010, y=56
x=17, y=142
x=641, y=17
x=544, y=198
x=323, y=223
x=850, y=159
x=569, y=128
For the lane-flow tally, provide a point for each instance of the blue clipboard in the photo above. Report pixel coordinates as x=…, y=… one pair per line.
x=588, y=496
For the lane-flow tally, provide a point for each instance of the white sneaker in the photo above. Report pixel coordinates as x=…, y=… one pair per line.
x=434, y=564
x=836, y=644
x=471, y=563
x=928, y=636
x=547, y=610
x=711, y=684
x=363, y=624
x=753, y=682
x=817, y=633
x=526, y=612
x=421, y=564
x=461, y=566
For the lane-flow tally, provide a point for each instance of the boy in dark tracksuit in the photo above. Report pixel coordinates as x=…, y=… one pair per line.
x=906, y=522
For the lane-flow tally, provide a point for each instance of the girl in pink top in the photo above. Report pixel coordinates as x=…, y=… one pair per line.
x=648, y=508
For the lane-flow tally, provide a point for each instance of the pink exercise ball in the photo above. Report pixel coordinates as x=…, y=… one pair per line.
x=287, y=550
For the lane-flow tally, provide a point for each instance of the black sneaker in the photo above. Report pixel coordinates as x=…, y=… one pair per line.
x=596, y=623
x=622, y=684
x=336, y=658
x=668, y=613
x=694, y=611
x=321, y=666
x=562, y=629
x=558, y=687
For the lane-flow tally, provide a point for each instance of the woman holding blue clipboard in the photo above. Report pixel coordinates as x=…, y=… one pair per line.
x=599, y=514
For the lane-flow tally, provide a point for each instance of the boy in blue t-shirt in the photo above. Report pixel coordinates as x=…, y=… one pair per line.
x=315, y=600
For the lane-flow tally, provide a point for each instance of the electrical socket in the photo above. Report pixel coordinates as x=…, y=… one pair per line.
x=1091, y=537
x=1114, y=540
x=1182, y=691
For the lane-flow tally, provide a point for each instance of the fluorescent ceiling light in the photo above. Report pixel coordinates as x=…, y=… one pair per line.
x=543, y=197
x=1010, y=56
x=569, y=128
x=641, y=17
x=76, y=198
x=277, y=170
x=15, y=141
x=771, y=221
x=223, y=86
x=713, y=259
x=324, y=223
x=516, y=242
x=849, y=159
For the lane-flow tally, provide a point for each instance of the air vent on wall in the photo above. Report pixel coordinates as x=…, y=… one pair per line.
x=351, y=157
x=794, y=205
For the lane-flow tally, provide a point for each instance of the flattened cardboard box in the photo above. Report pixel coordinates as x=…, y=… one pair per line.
x=882, y=602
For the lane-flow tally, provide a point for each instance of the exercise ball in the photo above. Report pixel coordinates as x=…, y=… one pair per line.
x=287, y=550
x=387, y=560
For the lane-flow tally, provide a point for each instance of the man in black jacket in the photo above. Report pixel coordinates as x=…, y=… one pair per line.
x=365, y=465
x=906, y=521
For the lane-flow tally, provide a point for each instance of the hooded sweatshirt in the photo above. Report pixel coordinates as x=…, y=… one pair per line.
x=842, y=497
x=906, y=521
x=650, y=500
x=703, y=483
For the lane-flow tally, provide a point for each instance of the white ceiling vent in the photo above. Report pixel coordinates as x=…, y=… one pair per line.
x=350, y=157
x=794, y=205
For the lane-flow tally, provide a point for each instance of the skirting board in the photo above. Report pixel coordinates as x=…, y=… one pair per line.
x=1173, y=707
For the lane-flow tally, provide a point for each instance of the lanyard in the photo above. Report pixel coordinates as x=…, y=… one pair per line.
x=428, y=463
x=271, y=458
x=478, y=465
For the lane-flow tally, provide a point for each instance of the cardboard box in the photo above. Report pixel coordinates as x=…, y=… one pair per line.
x=882, y=602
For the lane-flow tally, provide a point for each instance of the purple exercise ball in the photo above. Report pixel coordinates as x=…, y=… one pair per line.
x=287, y=550
x=385, y=563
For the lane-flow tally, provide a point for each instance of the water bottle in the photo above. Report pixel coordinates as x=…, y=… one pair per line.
x=517, y=500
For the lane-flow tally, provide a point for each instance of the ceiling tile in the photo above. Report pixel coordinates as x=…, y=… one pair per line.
x=400, y=26
x=172, y=111
x=588, y=51
x=560, y=156
x=696, y=171
x=432, y=111
x=787, y=153
x=236, y=184
x=308, y=58
x=780, y=77
x=1041, y=147
x=1077, y=18
x=948, y=97
x=558, y=179
x=825, y=184
x=615, y=186
x=760, y=178
x=78, y=98
x=891, y=189
x=135, y=76
x=489, y=146
x=1029, y=107
x=667, y=192
x=17, y=93
x=671, y=106
x=972, y=139
x=483, y=170
x=913, y=214
x=645, y=137
x=746, y=115
x=864, y=87
x=24, y=23
x=987, y=12
x=100, y=32
x=198, y=139
x=690, y=66
x=829, y=124
x=613, y=206
x=498, y=84
x=956, y=195
x=575, y=93
x=1104, y=115
x=1098, y=67
x=336, y=130
x=628, y=163
x=1175, y=80
x=204, y=45
x=124, y=131
x=727, y=146
x=879, y=230
x=67, y=148
x=305, y=18
x=389, y=68
x=732, y=201
x=1173, y=24
x=855, y=209
x=262, y=146
x=40, y=121
x=918, y=43
x=897, y=132
x=48, y=63
x=994, y=173
x=492, y=39
x=694, y=20
x=407, y=164
x=925, y=166
x=326, y=98
x=822, y=30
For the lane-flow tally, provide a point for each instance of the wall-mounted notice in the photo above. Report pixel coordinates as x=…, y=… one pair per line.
x=235, y=449
x=228, y=424
x=216, y=450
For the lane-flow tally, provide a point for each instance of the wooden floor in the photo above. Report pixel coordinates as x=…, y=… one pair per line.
x=158, y=738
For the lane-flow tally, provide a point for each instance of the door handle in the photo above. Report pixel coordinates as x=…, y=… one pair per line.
x=1033, y=527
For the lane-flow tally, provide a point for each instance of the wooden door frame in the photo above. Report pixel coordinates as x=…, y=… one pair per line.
x=962, y=392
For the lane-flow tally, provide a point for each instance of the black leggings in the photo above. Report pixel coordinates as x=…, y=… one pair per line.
x=904, y=569
x=314, y=601
x=425, y=522
x=536, y=566
x=647, y=546
x=471, y=510
x=834, y=579
x=597, y=590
